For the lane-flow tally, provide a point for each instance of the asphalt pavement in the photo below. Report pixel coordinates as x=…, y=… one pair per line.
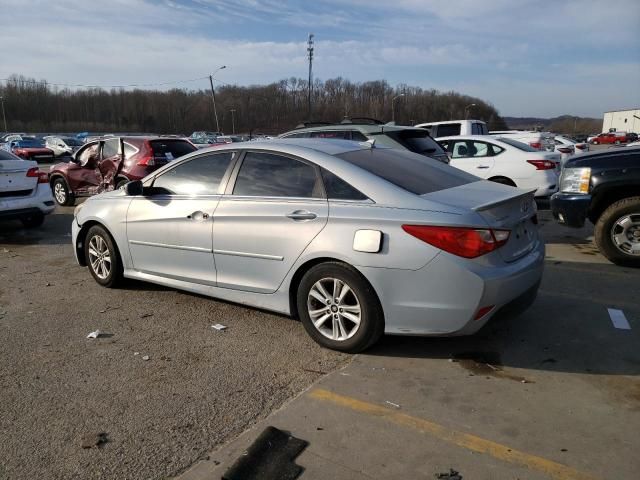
x=553, y=393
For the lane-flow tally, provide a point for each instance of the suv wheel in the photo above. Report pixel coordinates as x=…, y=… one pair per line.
x=102, y=257
x=339, y=309
x=32, y=220
x=61, y=192
x=617, y=232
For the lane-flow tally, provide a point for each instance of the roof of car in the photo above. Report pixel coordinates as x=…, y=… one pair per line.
x=362, y=127
x=328, y=146
x=609, y=151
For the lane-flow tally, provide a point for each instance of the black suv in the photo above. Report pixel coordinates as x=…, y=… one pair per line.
x=604, y=187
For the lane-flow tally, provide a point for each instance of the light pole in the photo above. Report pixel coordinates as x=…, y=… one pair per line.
x=393, y=106
x=4, y=117
x=233, y=120
x=310, y=56
x=213, y=97
x=466, y=110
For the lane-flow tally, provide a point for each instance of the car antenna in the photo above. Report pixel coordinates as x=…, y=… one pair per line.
x=369, y=143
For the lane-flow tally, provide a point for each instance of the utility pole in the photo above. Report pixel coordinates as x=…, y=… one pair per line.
x=310, y=56
x=4, y=117
x=213, y=97
x=233, y=121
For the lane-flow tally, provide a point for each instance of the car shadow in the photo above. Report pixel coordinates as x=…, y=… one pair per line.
x=56, y=230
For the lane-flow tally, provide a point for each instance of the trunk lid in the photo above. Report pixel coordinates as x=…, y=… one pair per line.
x=502, y=207
x=14, y=180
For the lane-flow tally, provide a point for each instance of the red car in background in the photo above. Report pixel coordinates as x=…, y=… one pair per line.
x=31, y=149
x=108, y=164
x=610, y=138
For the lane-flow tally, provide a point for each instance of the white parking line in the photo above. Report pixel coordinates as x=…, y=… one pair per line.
x=618, y=319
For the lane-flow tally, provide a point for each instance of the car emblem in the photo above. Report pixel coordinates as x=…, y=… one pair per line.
x=524, y=207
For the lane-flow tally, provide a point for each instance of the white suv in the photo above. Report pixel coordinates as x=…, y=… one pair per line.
x=455, y=127
x=25, y=194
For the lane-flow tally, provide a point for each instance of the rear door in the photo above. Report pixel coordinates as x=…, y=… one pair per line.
x=273, y=209
x=109, y=164
x=14, y=181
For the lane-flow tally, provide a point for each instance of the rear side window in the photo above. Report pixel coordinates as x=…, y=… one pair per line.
x=338, y=189
x=519, y=145
x=340, y=134
x=414, y=173
x=110, y=148
x=358, y=137
x=417, y=141
x=448, y=129
x=269, y=175
x=4, y=155
x=298, y=135
x=168, y=150
x=200, y=176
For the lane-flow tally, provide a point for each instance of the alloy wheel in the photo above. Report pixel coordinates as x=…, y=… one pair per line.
x=625, y=234
x=60, y=193
x=99, y=257
x=334, y=309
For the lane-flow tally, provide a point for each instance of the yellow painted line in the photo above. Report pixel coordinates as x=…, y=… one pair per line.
x=461, y=439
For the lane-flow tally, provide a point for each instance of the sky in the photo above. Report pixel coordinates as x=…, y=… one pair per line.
x=539, y=58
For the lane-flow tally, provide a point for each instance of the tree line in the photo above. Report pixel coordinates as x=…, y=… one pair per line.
x=36, y=106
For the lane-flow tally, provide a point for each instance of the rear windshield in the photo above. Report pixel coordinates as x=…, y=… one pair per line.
x=417, y=141
x=170, y=149
x=415, y=173
x=519, y=145
x=30, y=144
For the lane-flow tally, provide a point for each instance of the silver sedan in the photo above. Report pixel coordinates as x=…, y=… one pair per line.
x=352, y=239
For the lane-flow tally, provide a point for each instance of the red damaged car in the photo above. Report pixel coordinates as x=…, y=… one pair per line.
x=108, y=164
x=31, y=149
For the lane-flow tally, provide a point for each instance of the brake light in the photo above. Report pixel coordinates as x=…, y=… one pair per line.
x=462, y=241
x=483, y=311
x=537, y=145
x=581, y=146
x=147, y=159
x=43, y=177
x=33, y=172
x=542, y=164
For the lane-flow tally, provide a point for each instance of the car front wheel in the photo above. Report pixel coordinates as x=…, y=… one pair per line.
x=102, y=257
x=617, y=232
x=61, y=192
x=339, y=309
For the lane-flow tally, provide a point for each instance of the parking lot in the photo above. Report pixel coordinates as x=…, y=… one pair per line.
x=553, y=393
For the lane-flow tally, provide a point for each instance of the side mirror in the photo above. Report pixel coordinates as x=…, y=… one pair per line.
x=134, y=188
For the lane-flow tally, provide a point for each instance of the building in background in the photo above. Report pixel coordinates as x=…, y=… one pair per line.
x=622, y=121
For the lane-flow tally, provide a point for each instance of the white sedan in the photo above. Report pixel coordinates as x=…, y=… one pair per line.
x=506, y=161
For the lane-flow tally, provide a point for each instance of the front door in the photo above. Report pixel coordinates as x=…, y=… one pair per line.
x=475, y=157
x=84, y=176
x=270, y=215
x=169, y=229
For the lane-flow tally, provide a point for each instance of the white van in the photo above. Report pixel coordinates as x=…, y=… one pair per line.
x=455, y=127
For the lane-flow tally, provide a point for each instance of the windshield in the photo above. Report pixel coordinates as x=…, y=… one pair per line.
x=519, y=145
x=415, y=173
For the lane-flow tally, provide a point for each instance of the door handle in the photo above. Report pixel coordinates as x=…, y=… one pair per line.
x=198, y=216
x=301, y=215
x=482, y=166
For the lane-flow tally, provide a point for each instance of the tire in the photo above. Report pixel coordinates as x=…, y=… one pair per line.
x=98, y=247
x=121, y=182
x=32, y=220
x=617, y=232
x=503, y=181
x=61, y=193
x=360, y=299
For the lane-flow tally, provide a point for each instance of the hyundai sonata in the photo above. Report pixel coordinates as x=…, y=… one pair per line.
x=353, y=239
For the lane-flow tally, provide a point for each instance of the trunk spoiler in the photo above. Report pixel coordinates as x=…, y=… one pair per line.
x=492, y=204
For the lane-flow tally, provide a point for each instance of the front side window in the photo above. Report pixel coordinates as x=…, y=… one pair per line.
x=110, y=148
x=90, y=152
x=271, y=175
x=199, y=176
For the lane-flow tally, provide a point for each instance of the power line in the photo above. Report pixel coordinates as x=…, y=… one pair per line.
x=132, y=85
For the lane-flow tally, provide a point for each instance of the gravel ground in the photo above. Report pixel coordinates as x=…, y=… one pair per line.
x=59, y=390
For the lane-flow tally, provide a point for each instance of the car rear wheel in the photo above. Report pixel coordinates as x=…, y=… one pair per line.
x=617, y=232
x=339, y=309
x=102, y=257
x=61, y=192
x=32, y=220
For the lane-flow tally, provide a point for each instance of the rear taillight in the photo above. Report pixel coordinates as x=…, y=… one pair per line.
x=537, y=145
x=33, y=172
x=581, y=146
x=43, y=177
x=147, y=159
x=462, y=241
x=542, y=164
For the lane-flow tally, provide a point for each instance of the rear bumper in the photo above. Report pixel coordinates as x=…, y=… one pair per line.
x=443, y=298
x=570, y=209
x=41, y=201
